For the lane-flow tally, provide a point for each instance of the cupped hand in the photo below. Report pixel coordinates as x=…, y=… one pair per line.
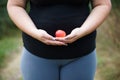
x=44, y=37
x=72, y=37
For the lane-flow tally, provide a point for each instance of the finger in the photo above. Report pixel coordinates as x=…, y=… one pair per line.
x=69, y=37
x=49, y=37
x=56, y=43
x=59, y=43
x=60, y=39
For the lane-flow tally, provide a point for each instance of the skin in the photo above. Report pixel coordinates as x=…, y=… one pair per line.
x=100, y=11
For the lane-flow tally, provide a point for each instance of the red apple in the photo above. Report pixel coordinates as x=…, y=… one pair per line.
x=60, y=33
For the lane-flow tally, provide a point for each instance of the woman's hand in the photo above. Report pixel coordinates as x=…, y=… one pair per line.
x=72, y=37
x=44, y=37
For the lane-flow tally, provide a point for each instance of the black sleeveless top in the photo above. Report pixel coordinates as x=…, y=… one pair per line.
x=51, y=15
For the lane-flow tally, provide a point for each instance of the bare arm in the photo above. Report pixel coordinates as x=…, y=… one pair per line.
x=100, y=11
x=16, y=11
x=18, y=14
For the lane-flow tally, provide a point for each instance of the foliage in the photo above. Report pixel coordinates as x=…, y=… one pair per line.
x=114, y=22
x=6, y=25
x=116, y=3
x=5, y=22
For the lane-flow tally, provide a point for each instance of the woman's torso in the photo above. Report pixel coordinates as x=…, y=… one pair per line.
x=52, y=15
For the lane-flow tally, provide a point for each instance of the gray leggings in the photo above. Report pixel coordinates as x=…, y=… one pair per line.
x=36, y=68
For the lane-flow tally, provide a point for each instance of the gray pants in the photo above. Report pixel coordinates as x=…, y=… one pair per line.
x=36, y=68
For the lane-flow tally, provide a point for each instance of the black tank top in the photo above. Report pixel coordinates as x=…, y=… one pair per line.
x=51, y=15
x=56, y=2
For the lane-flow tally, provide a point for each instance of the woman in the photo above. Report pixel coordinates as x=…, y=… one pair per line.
x=46, y=57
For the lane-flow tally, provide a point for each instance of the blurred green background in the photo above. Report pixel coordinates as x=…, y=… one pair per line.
x=108, y=46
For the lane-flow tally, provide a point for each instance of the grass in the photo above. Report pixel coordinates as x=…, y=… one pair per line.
x=7, y=46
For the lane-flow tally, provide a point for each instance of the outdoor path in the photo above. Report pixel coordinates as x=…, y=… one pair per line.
x=12, y=70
